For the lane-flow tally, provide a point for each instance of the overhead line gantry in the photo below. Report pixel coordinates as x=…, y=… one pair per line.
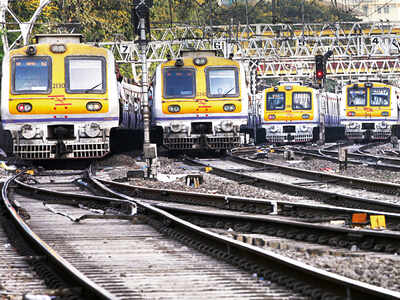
x=274, y=50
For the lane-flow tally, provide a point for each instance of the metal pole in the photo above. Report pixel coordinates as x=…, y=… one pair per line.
x=253, y=102
x=147, y=148
x=145, y=100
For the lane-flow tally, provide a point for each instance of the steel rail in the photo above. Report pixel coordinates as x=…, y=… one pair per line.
x=377, y=162
x=336, y=284
x=261, y=260
x=257, y=221
x=325, y=196
x=245, y=204
x=387, y=238
x=374, y=186
x=90, y=289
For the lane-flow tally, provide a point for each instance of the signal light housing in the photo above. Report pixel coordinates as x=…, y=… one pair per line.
x=174, y=108
x=319, y=67
x=24, y=107
x=94, y=106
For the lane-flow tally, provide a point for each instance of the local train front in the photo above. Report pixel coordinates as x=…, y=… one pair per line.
x=290, y=114
x=59, y=99
x=369, y=110
x=200, y=102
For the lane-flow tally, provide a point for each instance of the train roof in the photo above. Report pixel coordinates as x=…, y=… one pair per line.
x=198, y=53
x=54, y=38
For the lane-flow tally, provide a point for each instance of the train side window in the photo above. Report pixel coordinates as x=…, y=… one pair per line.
x=301, y=100
x=85, y=74
x=179, y=83
x=31, y=75
x=222, y=82
x=276, y=101
x=379, y=96
x=356, y=97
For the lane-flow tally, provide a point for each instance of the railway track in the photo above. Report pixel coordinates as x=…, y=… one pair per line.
x=355, y=156
x=17, y=277
x=199, y=209
x=322, y=187
x=131, y=259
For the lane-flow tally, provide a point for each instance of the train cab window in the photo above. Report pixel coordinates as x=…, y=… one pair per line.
x=301, y=100
x=179, y=83
x=379, y=96
x=222, y=82
x=31, y=75
x=356, y=97
x=85, y=74
x=275, y=101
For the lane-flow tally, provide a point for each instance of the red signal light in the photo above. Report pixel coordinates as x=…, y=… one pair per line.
x=319, y=67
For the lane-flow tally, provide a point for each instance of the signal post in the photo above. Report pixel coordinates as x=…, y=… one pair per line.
x=141, y=24
x=320, y=75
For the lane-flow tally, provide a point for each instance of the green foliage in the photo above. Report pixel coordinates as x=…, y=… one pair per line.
x=109, y=20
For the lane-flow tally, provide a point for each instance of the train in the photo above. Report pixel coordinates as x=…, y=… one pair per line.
x=291, y=112
x=370, y=111
x=59, y=99
x=199, y=101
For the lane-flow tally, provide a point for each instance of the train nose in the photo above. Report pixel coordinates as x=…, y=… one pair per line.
x=60, y=132
x=202, y=128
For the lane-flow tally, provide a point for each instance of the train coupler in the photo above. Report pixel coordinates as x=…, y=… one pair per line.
x=60, y=149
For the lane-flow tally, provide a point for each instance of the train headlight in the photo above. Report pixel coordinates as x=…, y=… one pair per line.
x=273, y=129
x=31, y=50
x=179, y=62
x=305, y=116
x=385, y=113
x=229, y=107
x=93, y=106
x=92, y=130
x=368, y=85
x=271, y=117
x=200, y=61
x=24, y=107
x=384, y=125
x=353, y=125
x=176, y=127
x=227, y=126
x=303, y=127
x=174, y=108
x=58, y=48
x=351, y=113
x=28, y=131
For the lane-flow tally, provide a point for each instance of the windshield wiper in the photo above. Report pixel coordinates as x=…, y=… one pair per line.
x=225, y=94
x=92, y=88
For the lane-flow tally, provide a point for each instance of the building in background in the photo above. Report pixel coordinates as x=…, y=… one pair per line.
x=231, y=2
x=372, y=10
x=367, y=10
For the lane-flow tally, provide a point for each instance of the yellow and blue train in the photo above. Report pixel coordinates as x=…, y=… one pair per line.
x=370, y=110
x=199, y=101
x=59, y=99
x=294, y=113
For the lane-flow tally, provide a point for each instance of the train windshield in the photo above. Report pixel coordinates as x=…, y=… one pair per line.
x=275, y=101
x=301, y=100
x=222, y=82
x=31, y=75
x=379, y=96
x=356, y=97
x=179, y=83
x=85, y=75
